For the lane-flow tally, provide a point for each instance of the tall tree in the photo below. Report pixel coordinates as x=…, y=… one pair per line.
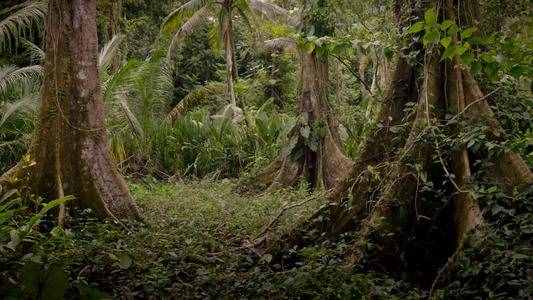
x=71, y=150
x=313, y=151
x=194, y=13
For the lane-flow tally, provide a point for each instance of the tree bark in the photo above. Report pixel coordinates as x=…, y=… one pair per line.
x=72, y=127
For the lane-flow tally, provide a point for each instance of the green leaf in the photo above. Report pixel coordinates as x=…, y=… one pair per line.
x=468, y=32
x=449, y=52
x=432, y=36
x=124, y=261
x=445, y=42
x=417, y=27
x=431, y=16
x=517, y=70
x=32, y=277
x=491, y=70
x=467, y=59
x=488, y=57
x=15, y=239
x=309, y=47
x=56, y=283
x=453, y=29
x=387, y=52
x=447, y=24
x=476, y=67
x=462, y=49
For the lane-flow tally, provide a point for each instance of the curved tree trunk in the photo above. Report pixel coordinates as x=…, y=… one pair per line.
x=72, y=136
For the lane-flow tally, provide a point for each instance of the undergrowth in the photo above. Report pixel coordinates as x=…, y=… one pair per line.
x=192, y=244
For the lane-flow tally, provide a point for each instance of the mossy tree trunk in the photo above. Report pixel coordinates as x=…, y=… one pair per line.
x=380, y=146
x=71, y=150
x=313, y=151
x=445, y=86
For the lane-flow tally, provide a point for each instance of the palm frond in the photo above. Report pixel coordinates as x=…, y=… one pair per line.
x=273, y=12
x=153, y=87
x=27, y=104
x=243, y=9
x=123, y=79
x=200, y=17
x=281, y=44
x=128, y=113
x=11, y=76
x=214, y=36
x=35, y=52
x=109, y=52
x=178, y=16
x=165, y=87
x=21, y=22
x=10, y=109
x=206, y=95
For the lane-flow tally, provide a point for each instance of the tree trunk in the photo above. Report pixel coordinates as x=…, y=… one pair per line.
x=379, y=145
x=467, y=214
x=313, y=151
x=72, y=129
x=229, y=52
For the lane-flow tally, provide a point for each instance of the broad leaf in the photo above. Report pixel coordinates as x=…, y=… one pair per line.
x=417, y=27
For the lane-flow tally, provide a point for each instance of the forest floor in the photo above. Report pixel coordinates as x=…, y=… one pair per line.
x=194, y=243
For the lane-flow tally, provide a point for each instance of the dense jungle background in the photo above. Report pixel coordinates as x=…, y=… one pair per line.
x=266, y=149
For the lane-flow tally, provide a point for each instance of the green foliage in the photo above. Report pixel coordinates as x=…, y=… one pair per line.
x=493, y=55
x=496, y=267
x=196, y=63
x=197, y=145
x=12, y=231
x=190, y=246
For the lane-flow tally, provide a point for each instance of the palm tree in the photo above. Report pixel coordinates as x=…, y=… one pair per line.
x=194, y=13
